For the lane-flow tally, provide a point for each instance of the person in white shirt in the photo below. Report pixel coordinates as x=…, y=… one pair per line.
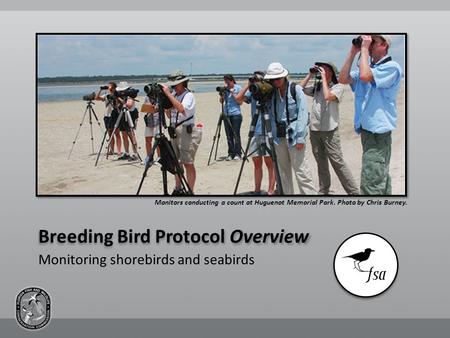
x=186, y=138
x=127, y=125
x=110, y=117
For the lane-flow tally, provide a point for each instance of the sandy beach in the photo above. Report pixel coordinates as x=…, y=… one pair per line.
x=58, y=123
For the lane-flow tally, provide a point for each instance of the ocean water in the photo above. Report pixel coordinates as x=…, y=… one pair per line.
x=59, y=93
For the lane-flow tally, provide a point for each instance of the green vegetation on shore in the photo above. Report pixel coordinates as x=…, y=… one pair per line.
x=130, y=78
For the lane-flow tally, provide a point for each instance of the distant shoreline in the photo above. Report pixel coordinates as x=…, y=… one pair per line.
x=135, y=79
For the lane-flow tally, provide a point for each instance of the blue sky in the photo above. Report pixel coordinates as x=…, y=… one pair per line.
x=87, y=55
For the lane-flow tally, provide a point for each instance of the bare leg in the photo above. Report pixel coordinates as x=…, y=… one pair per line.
x=177, y=182
x=126, y=143
x=190, y=174
x=134, y=144
x=272, y=178
x=148, y=144
x=118, y=141
x=258, y=173
x=111, y=145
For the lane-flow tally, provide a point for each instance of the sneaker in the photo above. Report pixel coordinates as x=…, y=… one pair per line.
x=124, y=156
x=133, y=158
x=177, y=192
x=229, y=158
x=146, y=160
x=237, y=158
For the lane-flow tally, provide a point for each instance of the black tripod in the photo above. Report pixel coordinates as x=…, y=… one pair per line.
x=266, y=126
x=91, y=111
x=124, y=114
x=216, y=138
x=168, y=159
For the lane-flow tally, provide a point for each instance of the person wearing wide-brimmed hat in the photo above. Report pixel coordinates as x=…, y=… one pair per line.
x=327, y=93
x=288, y=106
x=376, y=85
x=182, y=119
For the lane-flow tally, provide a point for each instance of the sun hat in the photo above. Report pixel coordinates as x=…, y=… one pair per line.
x=176, y=77
x=123, y=85
x=275, y=71
x=387, y=38
x=333, y=68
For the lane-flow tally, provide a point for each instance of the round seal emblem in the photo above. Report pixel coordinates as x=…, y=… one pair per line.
x=33, y=308
x=366, y=265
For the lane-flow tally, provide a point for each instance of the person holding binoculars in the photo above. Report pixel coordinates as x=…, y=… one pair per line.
x=232, y=110
x=327, y=93
x=111, y=115
x=376, y=83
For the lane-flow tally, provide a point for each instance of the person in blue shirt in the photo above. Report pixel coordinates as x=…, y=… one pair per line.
x=232, y=111
x=256, y=150
x=375, y=85
x=291, y=119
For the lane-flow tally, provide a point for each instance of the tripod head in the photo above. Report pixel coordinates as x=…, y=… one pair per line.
x=89, y=98
x=222, y=90
x=162, y=117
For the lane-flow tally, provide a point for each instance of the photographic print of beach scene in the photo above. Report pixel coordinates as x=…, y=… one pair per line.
x=71, y=66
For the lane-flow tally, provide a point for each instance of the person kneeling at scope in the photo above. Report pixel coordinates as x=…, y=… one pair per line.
x=257, y=150
x=185, y=138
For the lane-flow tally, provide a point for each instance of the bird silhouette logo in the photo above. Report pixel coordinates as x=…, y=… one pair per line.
x=33, y=308
x=365, y=264
x=360, y=257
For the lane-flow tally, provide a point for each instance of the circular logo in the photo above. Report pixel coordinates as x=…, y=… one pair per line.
x=366, y=265
x=33, y=308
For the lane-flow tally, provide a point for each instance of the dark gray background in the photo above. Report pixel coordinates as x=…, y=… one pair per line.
x=225, y=328
x=286, y=282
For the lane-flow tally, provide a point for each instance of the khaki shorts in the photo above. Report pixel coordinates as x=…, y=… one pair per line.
x=186, y=145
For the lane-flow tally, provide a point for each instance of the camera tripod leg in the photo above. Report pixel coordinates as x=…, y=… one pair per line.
x=227, y=120
x=113, y=135
x=219, y=129
x=244, y=158
x=78, y=132
x=214, y=141
x=101, y=147
x=108, y=145
x=164, y=176
x=132, y=136
x=251, y=133
x=148, y=164
x=92, y=133
x=96, y=118
x=185, y=188
x=272, y=153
